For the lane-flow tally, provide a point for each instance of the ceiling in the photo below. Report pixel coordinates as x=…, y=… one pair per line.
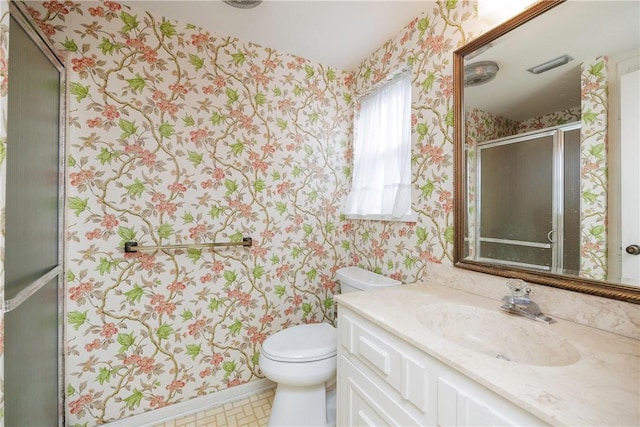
x=335, y=33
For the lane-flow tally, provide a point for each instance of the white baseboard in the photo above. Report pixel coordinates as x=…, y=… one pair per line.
x=197, y=404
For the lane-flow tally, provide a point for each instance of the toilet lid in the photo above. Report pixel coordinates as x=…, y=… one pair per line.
x=302, y=343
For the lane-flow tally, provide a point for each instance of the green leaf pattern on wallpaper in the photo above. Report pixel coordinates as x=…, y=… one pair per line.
x=180, y=135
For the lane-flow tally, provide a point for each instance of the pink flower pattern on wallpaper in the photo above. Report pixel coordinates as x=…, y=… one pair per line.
x=177, y=134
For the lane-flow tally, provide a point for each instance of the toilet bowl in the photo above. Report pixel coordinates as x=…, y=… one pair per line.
x=301, y=359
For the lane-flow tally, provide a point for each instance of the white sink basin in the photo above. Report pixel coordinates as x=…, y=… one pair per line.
x=498, y=334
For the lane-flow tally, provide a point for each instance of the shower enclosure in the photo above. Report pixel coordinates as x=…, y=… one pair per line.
x=33, y=223
x=527, y=214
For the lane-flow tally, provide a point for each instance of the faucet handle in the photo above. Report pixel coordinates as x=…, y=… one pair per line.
x=518, y=287
x=519, y=292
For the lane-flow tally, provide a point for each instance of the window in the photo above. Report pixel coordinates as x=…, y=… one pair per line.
x=381, y=184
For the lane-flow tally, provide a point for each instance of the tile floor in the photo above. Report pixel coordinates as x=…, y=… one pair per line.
x=250, y=412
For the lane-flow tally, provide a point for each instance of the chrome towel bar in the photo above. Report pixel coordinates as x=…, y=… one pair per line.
x=132, y=247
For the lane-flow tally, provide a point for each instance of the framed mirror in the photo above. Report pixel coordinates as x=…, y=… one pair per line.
x=548, y=148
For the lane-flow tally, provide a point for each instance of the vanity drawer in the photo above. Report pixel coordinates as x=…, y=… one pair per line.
x=390, y=360
x=373, y=350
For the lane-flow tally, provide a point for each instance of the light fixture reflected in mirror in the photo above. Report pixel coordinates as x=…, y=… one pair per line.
x=479, y=73
x=243, y=4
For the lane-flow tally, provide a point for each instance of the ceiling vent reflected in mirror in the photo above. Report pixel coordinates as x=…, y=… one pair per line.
x=550, y=65
x=480, y=73
x=243, y=4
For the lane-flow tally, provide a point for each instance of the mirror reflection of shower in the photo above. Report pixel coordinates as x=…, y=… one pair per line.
x=527, y=201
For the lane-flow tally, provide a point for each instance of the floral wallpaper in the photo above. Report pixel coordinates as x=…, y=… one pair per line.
x=593, y=177
x=548, y=120
x=481, y=126
x=4, y=67
x=178, y=134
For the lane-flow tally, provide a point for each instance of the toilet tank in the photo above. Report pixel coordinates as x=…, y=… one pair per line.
x=354, y=279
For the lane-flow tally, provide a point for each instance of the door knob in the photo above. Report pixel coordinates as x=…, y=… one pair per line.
x=633, y=249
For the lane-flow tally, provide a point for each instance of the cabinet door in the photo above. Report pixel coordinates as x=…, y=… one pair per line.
x=361, y=402
x=361, y=412
x=458, y=408
x=404, y=369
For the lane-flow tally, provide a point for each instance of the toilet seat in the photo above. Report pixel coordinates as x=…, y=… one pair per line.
x=302, y=343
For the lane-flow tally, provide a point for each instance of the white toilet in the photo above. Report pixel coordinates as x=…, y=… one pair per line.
x=301, y=359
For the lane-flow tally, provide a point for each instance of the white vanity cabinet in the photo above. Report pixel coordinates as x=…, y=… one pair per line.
x=383, y=380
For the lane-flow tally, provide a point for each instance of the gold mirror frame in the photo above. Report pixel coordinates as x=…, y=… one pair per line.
x=593, y=287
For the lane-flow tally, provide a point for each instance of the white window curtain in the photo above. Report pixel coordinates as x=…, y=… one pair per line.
x=381, y=186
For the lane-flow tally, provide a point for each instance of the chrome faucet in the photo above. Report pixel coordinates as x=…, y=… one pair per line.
x=518, y=302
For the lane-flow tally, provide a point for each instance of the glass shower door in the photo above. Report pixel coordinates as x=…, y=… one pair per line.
x=528, y=201
x=516, y=223
x=32, y=237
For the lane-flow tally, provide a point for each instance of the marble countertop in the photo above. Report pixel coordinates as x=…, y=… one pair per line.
x=602, y=388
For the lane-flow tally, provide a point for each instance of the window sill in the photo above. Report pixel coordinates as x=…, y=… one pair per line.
x=412, y=217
